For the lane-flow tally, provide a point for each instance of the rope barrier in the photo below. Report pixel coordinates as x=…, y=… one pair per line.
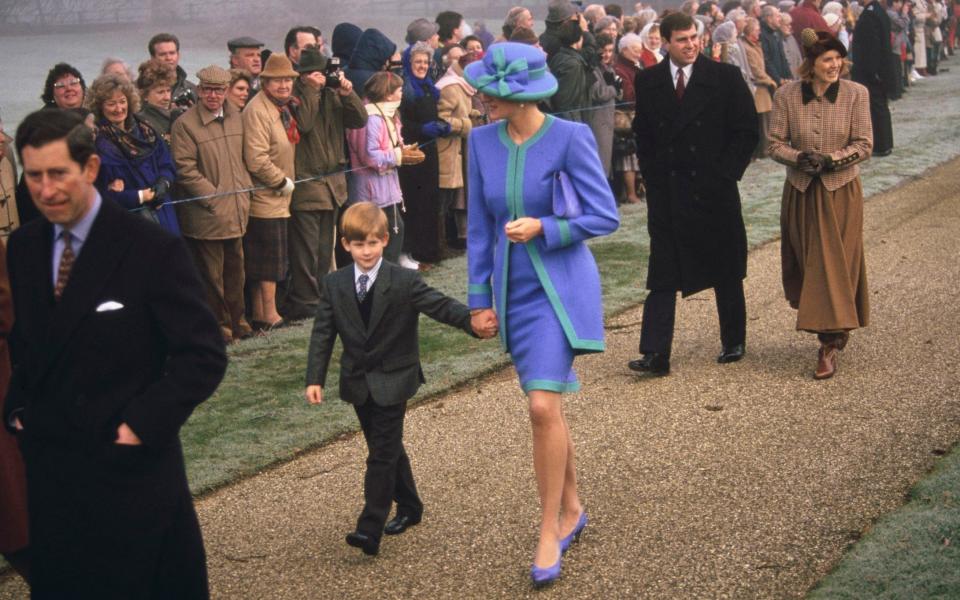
x=323, y=176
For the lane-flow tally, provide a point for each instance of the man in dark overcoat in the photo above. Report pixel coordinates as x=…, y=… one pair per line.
x=873, y=68
x=696, y=128
x=113, y=347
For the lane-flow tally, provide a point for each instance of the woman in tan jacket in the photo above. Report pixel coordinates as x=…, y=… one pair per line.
x=269, y=135
x=455, y=107
x=765, y=85
x=820, y=129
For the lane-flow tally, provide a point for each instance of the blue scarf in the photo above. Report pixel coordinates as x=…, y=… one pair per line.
x=419, y=85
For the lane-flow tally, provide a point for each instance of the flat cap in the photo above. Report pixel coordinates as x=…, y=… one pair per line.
x=244, y=42
x=214, y=75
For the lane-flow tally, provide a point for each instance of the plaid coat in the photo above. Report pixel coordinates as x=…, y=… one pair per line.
x=836, y=124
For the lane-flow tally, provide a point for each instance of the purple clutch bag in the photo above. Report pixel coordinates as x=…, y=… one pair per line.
x=566, y=204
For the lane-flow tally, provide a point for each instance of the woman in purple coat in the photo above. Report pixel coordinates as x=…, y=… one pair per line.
x=529, y=267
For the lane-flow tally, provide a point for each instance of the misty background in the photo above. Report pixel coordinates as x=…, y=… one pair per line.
x=36, y=34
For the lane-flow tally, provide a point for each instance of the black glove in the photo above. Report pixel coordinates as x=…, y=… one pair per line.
x=609, y=77
x=809, y=163
x=160, y=190
x=826, y=162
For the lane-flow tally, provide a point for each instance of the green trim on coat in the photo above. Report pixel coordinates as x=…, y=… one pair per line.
x=563, y=226
x=548, y=385
x=479, y=288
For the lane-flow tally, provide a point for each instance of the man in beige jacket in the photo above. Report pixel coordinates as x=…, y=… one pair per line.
x=207, y=147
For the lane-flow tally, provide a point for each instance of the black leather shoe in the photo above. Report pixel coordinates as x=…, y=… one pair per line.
x=363, y=541
x=651, y=362
x=731, y=354
x=399, y=524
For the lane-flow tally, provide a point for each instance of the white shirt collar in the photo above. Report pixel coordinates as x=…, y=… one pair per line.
x=687, y=72
x=371, y=274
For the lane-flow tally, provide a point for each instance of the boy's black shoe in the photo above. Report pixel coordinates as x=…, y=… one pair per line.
x=399, y=524
x=363, y=541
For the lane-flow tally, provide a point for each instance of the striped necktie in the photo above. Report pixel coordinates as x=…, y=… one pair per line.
x=66, y=264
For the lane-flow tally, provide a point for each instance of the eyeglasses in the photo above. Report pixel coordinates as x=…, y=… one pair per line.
x=68, y=83
x=213, y=91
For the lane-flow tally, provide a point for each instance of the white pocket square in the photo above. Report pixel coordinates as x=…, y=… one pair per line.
x=109, y=305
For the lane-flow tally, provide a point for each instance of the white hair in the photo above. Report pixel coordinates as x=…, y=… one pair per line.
x=832, y=8
x=630, y=39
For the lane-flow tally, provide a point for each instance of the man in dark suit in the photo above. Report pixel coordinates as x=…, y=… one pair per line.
x=113, y=347
x=873, y=68
x=696, y=128
x=374, y=306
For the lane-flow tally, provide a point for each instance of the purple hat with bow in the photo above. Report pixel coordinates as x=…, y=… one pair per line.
x=512, y=71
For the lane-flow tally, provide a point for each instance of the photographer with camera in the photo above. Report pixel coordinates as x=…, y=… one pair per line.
x=328, y=106
x=166, y=47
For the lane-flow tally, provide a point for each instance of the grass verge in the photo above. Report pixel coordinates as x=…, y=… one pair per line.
x=913, y=552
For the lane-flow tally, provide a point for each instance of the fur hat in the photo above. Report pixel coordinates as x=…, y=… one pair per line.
x=816, y=43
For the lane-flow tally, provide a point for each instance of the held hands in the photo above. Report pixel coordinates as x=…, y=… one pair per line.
x=314, y=394
x=484, y=322
x=809, y=163
x=523, y=229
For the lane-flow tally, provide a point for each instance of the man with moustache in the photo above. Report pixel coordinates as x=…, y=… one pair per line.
x=113, y=347
x=696, y=129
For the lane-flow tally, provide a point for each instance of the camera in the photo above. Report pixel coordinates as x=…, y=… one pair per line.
x=184, y=99
x=332, y=72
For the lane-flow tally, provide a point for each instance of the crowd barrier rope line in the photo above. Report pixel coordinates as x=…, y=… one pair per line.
x=323, y=176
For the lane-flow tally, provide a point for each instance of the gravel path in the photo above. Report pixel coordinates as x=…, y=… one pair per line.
x=738, y=481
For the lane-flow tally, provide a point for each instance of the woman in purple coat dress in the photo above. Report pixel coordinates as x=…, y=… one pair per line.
x=529, y=267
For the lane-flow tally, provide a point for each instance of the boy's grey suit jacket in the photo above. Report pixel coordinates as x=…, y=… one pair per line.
x=380, y=360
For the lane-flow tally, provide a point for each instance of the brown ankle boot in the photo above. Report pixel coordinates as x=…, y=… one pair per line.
x=827, y=361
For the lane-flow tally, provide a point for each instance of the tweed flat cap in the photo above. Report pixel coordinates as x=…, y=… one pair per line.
x=243, y=42
x=559, y=11
x=214, y=75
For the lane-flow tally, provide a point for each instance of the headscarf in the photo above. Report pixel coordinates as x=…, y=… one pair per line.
x=136, y=142
x=289, y=113
x=418, y=85
x=645, y=39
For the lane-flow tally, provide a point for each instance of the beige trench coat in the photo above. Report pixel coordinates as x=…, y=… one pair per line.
x=209, y=159
x=454, y=108
x=269, y=157
x=9, y=217
x=763, y=81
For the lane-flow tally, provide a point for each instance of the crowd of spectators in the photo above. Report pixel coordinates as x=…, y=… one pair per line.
x=252, y=164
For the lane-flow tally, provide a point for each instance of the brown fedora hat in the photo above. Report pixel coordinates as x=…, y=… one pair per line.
x=278, y=65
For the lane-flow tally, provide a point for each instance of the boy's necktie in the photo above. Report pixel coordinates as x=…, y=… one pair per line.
x=362, y=286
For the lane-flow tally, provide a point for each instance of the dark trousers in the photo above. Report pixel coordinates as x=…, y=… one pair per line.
x=220, y=263
x=660, y=309
x=880, y=119
x=898, y=77
x=388, y=478
x=310, y=243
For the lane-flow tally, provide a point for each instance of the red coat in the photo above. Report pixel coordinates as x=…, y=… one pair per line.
x=13, y=486
x=807, y=15
x=628, y=71
x=648, y=59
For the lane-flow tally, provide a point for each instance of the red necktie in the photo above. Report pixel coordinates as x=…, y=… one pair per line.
x=66, y=263
x=680, y=87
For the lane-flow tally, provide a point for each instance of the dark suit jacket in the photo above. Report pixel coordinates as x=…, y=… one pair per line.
x=80, y=372
x=692, y=153
x=381, y=360
x=872, y=65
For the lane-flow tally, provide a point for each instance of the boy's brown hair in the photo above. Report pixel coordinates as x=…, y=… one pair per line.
x=363, y=219
x=380, y=85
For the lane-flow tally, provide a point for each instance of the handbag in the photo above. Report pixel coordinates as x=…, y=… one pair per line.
x=566, y=204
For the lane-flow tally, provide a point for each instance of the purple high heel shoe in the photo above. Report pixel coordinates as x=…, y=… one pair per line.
x=575, y=534
x=542, y=577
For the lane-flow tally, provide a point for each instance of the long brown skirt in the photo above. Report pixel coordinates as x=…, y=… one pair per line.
x=821, y=251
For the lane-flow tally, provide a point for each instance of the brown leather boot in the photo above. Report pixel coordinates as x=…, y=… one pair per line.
x=827, y=361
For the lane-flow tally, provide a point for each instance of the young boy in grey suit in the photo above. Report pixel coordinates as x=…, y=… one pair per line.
x=374, y=306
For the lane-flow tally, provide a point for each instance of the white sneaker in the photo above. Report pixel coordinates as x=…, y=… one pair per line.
x=914, y=76
x=408, y=263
